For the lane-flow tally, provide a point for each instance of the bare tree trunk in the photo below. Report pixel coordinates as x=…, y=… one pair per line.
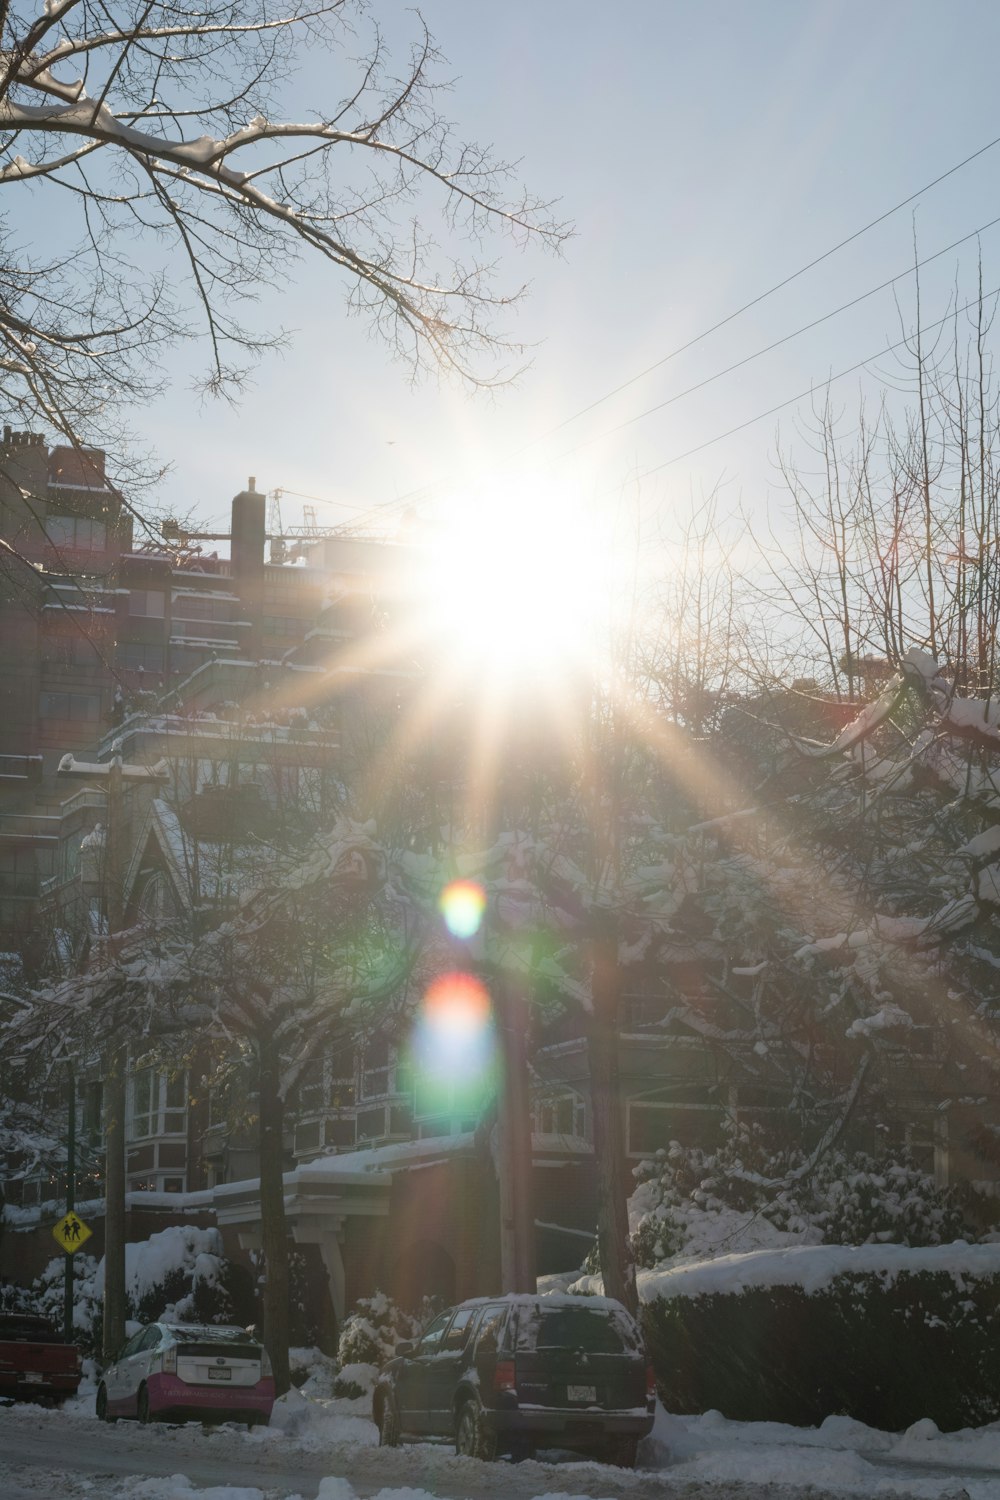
x=113, y=1328
x=517, y=1217
x=613, y=1244
x=274, y=1234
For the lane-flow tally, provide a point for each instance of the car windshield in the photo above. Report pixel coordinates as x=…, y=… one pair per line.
x=210, y=1335
x=595, y=1330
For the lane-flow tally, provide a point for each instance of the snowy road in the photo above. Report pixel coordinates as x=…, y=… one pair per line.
x=48, y=1453
x=41, y=1455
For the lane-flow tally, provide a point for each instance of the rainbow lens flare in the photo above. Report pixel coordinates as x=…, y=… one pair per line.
x=462, y=904
x=453, y=1045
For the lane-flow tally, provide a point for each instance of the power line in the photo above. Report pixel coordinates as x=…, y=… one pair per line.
x=762, y=296
x=729, y=318
x=861, y=365
x=777, y=344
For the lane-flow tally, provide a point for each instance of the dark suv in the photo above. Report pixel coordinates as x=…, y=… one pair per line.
x=512, y=1374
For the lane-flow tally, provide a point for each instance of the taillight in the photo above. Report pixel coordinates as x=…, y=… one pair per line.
x=169, y=1365
x=650, y=1383
x=265, y=1363
x=503, y=1378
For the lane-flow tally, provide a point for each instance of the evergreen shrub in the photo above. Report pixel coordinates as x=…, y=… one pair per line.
x=886, y=1352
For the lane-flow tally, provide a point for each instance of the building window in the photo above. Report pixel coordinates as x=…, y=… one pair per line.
x=560, y=1114
x=654, y=1125
x=70, y=706
x=70, y=651
x=307, y=1136
x=159, y=1103
x=148, y=602
x=341, y=1134
x=78, y=533
x=376, y=1068
x=141, y=656
x=371, y=1124
x=93, y=1105
x=312, y=1093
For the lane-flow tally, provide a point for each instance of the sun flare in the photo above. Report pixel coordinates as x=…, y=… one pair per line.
x=516, y=583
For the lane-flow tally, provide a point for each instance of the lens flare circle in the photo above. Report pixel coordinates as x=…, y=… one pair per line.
x=453, y=1038
x=457, y=1004
x=462, y=904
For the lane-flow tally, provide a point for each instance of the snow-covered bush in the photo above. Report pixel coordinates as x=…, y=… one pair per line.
x=368, y=1339
x=45, y=1297
x=179, y=1274
x=748, y=1195
x=887, y=1341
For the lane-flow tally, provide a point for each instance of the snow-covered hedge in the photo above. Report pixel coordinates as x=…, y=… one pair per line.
x=887, y=1334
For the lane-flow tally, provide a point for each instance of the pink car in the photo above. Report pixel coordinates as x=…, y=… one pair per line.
x=182, y=1371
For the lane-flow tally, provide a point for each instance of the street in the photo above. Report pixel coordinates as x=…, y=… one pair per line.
x=45, y=1453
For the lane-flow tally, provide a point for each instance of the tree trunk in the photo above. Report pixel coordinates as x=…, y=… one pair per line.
x=517, y=1216
x=274, y=1234
x=113, y=1331
x=613, y=1185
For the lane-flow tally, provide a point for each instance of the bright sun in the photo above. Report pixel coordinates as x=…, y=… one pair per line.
x=516, y=583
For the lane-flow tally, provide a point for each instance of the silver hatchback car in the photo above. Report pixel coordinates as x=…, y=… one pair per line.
x=182, y=1371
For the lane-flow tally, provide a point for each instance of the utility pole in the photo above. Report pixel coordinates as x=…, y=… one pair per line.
x=70, y=1203
x=115, y=774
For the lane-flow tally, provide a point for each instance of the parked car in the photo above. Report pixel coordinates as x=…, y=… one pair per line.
x=35, y=1360
x=188, y=1371
x=512, y=1374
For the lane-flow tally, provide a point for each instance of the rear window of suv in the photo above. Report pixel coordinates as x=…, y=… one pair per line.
x=594, y=1330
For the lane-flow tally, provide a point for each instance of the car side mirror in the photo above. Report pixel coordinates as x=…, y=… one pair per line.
x=406, y=1346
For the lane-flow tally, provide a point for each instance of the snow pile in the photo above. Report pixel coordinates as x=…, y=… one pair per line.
x=313, y=1372
x=315, y=1424
x=179, y=1487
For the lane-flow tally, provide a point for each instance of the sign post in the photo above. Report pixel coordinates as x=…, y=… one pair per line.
x=70, y=1204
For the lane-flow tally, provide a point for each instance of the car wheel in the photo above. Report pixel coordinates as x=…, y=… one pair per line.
x=473, y=1436
x=621, y=1452
x=142, y=1410
x=101, y=1405
x=388, y=1422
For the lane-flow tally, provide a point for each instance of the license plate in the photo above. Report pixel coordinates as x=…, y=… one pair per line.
x=582, y=1393
x=220, y=1374
x=34, y=1377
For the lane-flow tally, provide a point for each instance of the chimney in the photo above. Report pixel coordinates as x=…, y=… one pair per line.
x=249, y=525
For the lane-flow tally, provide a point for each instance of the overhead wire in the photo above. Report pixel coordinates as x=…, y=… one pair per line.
x=777, y=344
x=761, y=297
x=801, y=395
x=818, y=260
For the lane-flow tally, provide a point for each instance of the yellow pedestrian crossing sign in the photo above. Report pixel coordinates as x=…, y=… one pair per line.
x=71, y=1232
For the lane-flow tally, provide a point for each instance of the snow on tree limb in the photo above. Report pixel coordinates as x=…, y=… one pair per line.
x=175, y=129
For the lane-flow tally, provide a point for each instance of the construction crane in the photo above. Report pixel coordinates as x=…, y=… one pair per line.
x=282, y=541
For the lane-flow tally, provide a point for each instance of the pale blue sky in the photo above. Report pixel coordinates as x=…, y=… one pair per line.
x=704, y=150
